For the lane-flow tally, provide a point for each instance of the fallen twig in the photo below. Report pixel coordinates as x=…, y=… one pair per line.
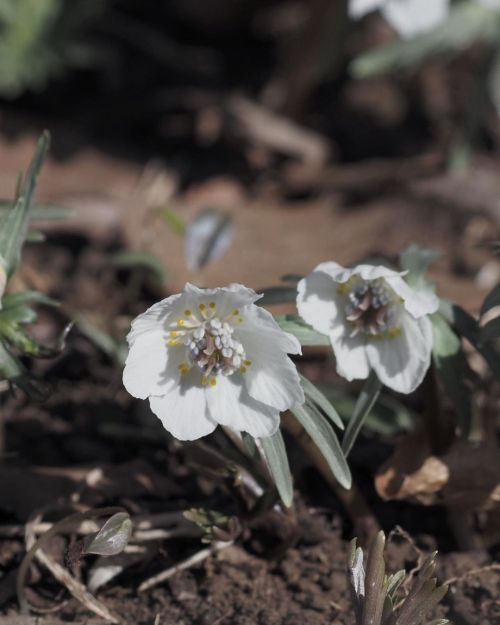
x=34, y=546
x=193, y=560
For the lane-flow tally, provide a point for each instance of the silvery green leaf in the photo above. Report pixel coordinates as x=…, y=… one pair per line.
x=277, y=460
x=207, y=238
x=41, y=211
x=451, y=365
x=415, y=260
x=317, y=397
x=303, y=332
x=113, y=536
x=277, y=295
x=364, y=404
x=394, y=582
x=491, y=300
x=358, y=573
x=14, y=222
x=50, y=212
x=467, y=23
x=327, y=442
x=131, y=260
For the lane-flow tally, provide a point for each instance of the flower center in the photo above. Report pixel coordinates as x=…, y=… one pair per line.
x=210, y=343
x=371, y=309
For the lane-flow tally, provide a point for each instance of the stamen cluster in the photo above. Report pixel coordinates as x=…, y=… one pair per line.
x=210, y=342
x=370, y=309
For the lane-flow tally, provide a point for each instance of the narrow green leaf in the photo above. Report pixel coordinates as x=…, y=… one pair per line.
x=491, y=300
x=303, y=332
x=27, y=297
x=388, y=417
x=277, y=459
x=17, y=314
x=14, y=222
x=364, y=404
x=490, y=331
x=317, y=397
x=467, y=22
x=35, y=236
x=452, y=368
x=327, y=442
x=10, y=368
x=374, y=582
x=131, y=260
x=174, y=220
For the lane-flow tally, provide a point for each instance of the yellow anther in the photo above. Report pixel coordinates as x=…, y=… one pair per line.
x=212, y=304
x=243, y=369
x=188, y=312
x=201, y=306
x=182, y=366
x=247, y=362
x=204, y=380
x=394, y=332
x=172, y=343
x=236, y=312
x=342, y=288
x=181, y=322
x=173, y=333
x=240, y=320
x=213, y=381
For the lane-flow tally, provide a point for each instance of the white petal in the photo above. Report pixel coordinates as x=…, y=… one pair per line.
x=259, y=324
x=352, y=361
x=272, y=379
x=227, y=298
x=358, y=8
x=153, y=319
x=319, y=304
x=230, y=404
x=184, y=412
x=146, y=365
x=366, y=272
x=417, y=303
x=150, y=366
x=401, y=362
x=411, y=17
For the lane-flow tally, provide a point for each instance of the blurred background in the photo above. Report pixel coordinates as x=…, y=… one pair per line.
x=247, y=141
x=241, y=141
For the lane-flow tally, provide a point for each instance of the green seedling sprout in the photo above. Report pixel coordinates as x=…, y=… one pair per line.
x=375, y=593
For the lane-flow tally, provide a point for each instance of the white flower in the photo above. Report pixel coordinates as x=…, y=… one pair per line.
x=374, y=319
x=407, y=17
x=210, y=356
